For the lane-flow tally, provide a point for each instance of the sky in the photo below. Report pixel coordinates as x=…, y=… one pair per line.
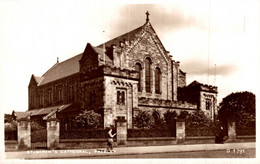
x=216, y=41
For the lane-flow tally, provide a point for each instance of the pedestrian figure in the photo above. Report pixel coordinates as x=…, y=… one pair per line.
x=110, y=140
x=220, y=136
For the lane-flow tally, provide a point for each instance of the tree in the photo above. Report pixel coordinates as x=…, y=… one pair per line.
x=143, y=120
x=88, y=119
x=239, y=106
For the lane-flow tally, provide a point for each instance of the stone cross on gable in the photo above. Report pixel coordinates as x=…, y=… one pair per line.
x=147, y=16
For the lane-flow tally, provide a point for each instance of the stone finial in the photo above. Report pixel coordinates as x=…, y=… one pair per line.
x=147, y=16
x=57, y=59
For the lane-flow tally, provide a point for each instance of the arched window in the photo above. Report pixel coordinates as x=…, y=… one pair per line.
x=156, y=117
x=148, y=64
x=138, y=68
x=118, y=97
x=157, y=80
x=123, y=97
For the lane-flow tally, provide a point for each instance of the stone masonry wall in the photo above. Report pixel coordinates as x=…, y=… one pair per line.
x=113, y=85
x=147, y=47
x=92, y=92
x=53, y=87
x=212, y=97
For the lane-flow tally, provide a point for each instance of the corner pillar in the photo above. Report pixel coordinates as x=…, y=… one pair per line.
x=24, y=133
x=180, y=131
x=121, y=129
x=53, y=133
x=231, y=131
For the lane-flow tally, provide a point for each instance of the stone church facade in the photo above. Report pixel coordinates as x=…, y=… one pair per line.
x=118, y=78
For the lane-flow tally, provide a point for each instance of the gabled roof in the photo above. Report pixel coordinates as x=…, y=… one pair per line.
x=20, y=115
x=127, y=36
x=38, y=79
x=72, y=65
x=25, y=114
x=194, y=83
x=63, y=69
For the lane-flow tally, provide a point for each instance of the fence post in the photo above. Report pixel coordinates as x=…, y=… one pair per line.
x=24, y=133
x=121, y=129
x=231, y=131
x=180, y=131
x=53, y=133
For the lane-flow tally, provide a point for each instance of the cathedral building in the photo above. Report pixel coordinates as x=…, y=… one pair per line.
x=118, y=78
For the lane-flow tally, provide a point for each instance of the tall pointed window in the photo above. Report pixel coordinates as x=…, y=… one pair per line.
x=138, y=68
x=123, y=97
x=118, y=97
x=148, y=74
x=157, y=80
x=60, y=96
x=49, y=98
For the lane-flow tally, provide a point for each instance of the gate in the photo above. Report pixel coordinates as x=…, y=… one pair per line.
x=39, y=138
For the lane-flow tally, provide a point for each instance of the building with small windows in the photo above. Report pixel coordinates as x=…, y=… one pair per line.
x=118, y=78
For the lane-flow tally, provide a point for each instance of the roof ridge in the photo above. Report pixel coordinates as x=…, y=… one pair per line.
x=50, y=69
x=59, y=63
x=136, y=29
x=70, y=58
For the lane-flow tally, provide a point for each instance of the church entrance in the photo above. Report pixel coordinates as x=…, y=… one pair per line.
x=121, y=104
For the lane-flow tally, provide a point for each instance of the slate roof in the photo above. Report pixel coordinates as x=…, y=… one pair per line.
x=25, y=114
x=46, y=112
x=194, y=83
x=127, y=36
x=63, y=69
x=71, y=66
x=52, y=110
x=20, y=115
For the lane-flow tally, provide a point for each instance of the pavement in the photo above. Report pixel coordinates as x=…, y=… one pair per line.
x=77, y=153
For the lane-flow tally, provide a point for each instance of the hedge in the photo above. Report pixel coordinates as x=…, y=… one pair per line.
x=10, y=134
x=39, y=136
x=204, y=131
x=83, y=134
x=245, y=131
x=146, y=133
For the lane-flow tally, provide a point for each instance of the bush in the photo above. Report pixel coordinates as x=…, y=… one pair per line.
x=170, y=116
x=39, y=135
x=11, y=126
x=198, y=119
x=88, y=119
x=36, y=126
x=143, y=120
x=183, y=115
x=157, y=121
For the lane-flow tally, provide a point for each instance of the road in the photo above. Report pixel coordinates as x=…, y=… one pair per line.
x=233, y=153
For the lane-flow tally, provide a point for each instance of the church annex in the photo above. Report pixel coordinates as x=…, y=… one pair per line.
x=127, y=74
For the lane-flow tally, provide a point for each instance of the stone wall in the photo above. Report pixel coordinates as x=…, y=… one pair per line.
x=53, y=87
x=92, y=93
x=212, y=98
x=146, y=44
x=129, y=87
x=181, y=79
